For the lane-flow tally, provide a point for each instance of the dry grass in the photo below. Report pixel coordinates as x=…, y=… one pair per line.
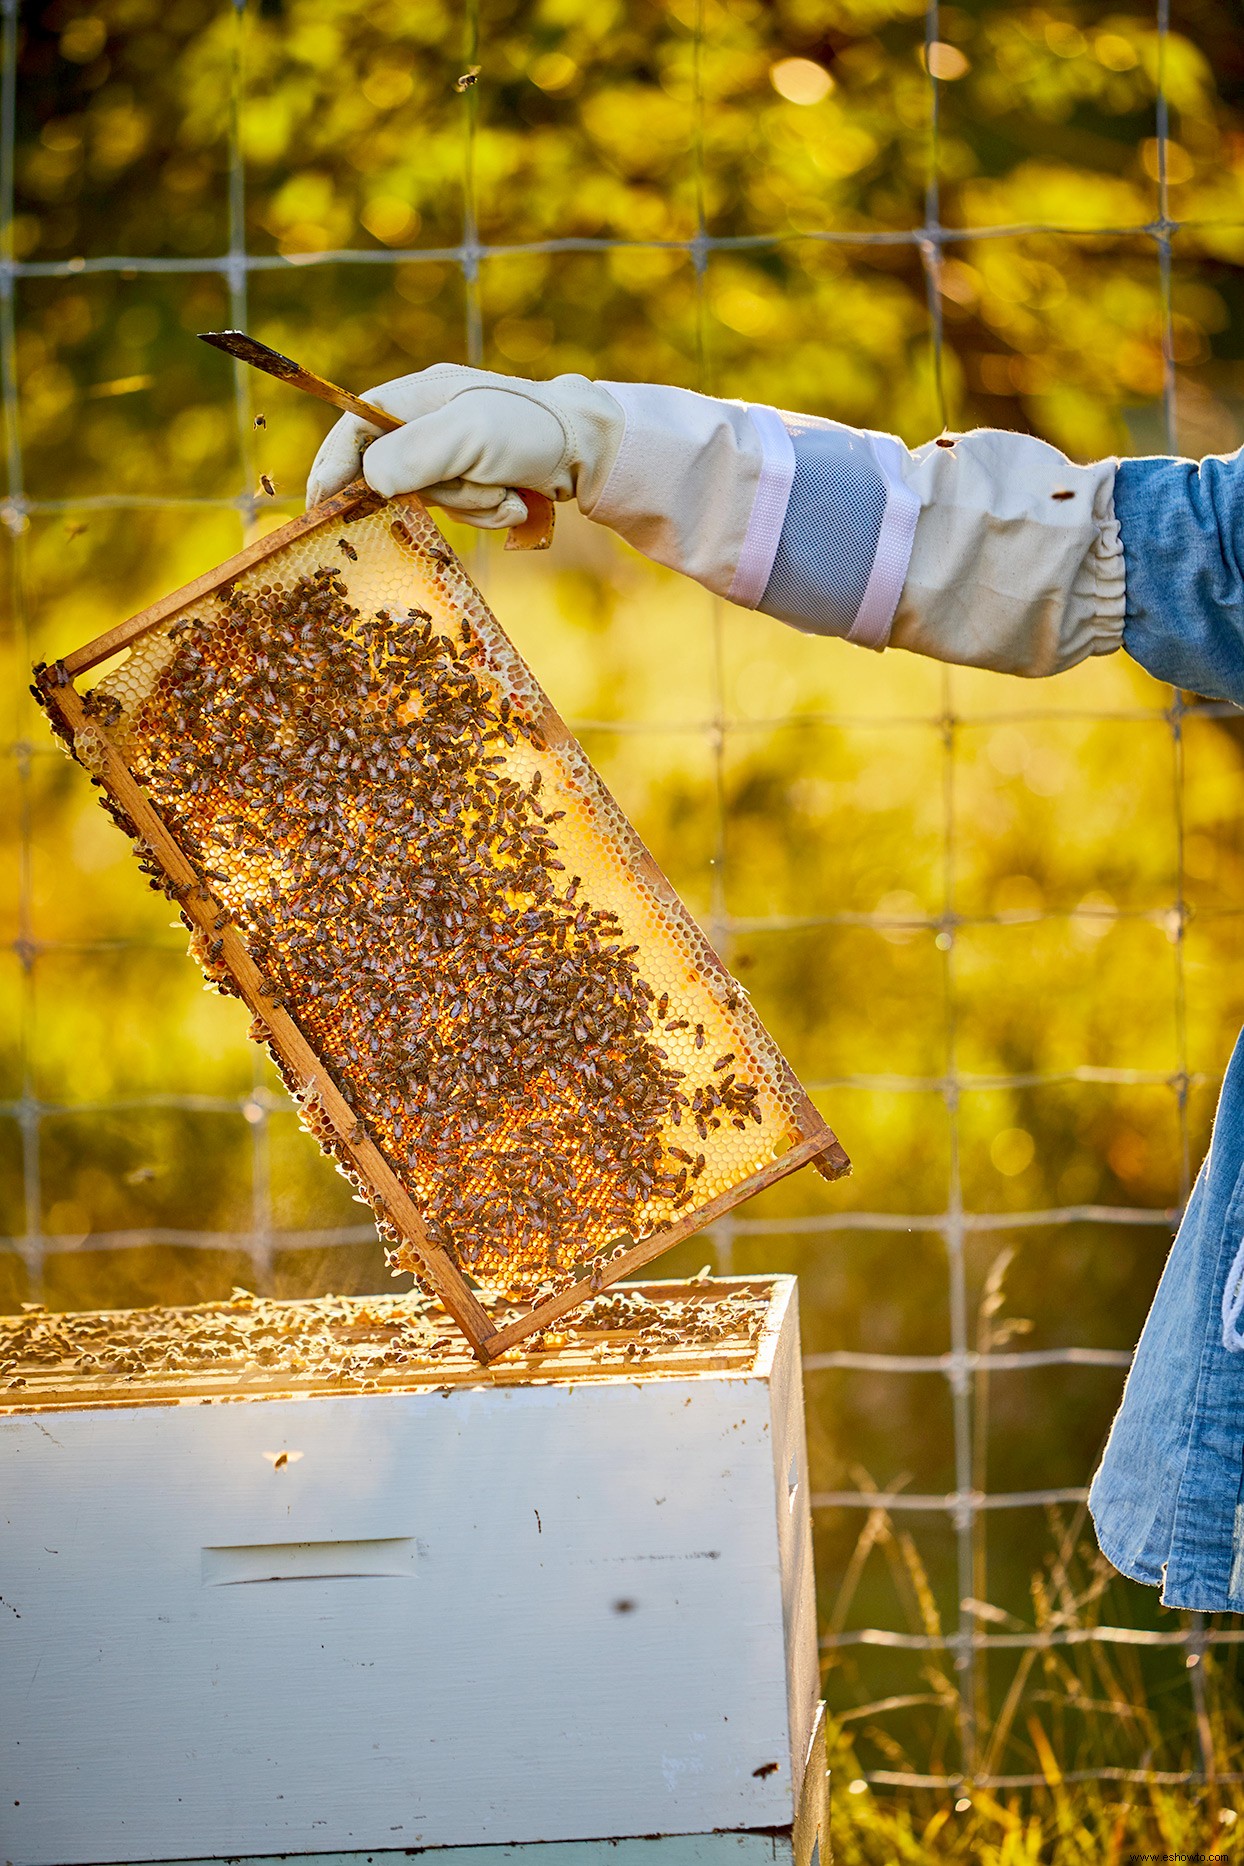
x=1074, y=1824
x=1062, y=1711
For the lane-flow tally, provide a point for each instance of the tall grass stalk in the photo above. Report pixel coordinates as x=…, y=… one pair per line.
x=1062, y=1712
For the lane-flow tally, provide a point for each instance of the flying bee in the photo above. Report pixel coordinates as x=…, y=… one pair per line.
x=261, y=421
x=265, y=480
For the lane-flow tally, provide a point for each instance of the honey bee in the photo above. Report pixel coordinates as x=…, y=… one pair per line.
x=495, y=1043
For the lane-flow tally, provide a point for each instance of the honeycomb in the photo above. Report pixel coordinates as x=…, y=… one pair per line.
x=438, y=889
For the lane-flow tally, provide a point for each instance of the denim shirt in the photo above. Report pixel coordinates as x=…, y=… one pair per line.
x=1168, y=1498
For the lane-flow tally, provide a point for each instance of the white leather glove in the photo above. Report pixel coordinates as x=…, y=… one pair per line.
x=471, y=437
x=679, y=475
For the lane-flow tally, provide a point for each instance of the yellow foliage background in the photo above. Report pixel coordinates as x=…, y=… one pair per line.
x=995, y=925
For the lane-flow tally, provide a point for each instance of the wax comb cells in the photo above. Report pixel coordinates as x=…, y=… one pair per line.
x=437, y=889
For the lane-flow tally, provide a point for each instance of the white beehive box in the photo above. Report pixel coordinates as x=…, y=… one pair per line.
x=567, y=1599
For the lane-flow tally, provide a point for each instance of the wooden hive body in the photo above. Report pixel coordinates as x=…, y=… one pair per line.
x=492, y=1007
x=567, y=1601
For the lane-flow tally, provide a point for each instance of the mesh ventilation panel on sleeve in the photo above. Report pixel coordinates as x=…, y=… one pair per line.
x=829, y=534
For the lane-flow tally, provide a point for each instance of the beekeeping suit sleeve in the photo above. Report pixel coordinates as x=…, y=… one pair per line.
x=989, y=549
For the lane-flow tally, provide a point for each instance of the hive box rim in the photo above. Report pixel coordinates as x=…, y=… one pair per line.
x=778, y=1289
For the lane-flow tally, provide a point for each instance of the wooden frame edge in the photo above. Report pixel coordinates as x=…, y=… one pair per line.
x=340, y=506
x=817, y=1143
x=554, y=1307
x=200, y=905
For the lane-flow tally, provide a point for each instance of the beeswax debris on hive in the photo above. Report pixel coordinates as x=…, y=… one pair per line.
x=335, y=1341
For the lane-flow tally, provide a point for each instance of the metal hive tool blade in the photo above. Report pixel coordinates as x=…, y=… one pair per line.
x=494, y=1011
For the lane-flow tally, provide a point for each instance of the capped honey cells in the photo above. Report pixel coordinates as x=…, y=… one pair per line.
x=438, y=890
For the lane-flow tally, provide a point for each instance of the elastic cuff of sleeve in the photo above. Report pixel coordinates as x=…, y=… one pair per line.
x=1097, y=603
x=764, y=527
x=872, y=625
x=1105, y=569
x=1016, y=564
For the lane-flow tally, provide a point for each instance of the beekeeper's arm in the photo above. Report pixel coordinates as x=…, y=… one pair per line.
x=990, y=549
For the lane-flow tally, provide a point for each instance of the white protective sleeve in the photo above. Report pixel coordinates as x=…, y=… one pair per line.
x=995, y=550
x=1016, y=563
x=698, y=484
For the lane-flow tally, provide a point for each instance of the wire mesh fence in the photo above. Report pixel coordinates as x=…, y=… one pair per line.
x=966, y=1505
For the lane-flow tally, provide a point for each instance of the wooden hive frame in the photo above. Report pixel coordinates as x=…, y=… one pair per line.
x=306, y=1071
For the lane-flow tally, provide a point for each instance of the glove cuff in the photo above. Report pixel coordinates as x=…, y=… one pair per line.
x=594, y=424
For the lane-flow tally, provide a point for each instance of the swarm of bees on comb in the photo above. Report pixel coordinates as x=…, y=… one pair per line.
x=437, y=889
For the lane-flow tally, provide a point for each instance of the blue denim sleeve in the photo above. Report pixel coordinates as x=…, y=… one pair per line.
x=1182, y=526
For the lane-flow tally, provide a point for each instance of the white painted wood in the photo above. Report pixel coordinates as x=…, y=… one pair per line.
x=810, y=1839
x=389, y=1556
x=794, y=1524
x=737, y=1849
x=506, y=1613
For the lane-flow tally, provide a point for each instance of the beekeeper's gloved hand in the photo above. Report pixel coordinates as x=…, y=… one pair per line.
x=472, y=437
x=675, y=473
x=988, y=548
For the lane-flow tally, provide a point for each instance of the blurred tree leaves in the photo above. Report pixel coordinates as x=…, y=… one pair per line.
x=920, y=876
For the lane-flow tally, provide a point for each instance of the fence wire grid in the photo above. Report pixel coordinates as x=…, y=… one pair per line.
x=968, y=1643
